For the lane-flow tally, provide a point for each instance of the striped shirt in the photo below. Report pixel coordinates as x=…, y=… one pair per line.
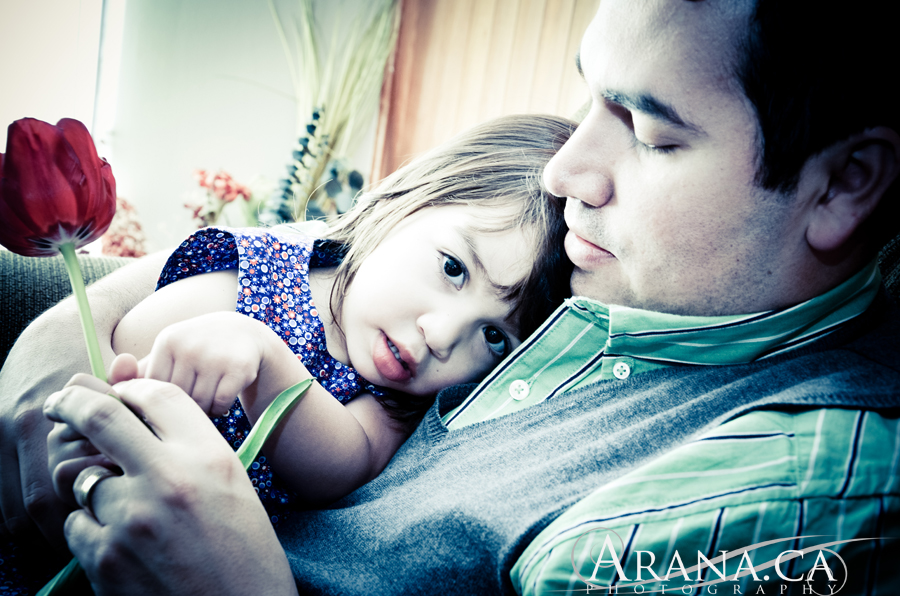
x=763, y=483
x=585, y=341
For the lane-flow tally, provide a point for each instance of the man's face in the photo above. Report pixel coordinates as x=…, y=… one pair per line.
x=661, y=203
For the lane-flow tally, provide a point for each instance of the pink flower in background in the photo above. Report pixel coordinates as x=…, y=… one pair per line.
x=222, y=185
x=221, y=189
x=200, y=177
x=125, y=237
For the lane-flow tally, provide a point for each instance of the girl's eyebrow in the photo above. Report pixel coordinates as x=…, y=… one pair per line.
x=465, y=233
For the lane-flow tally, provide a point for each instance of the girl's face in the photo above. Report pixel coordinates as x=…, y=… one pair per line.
x=425, y=310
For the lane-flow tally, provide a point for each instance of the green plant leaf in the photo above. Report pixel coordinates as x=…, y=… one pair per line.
x=65, y=578
x=276, y=411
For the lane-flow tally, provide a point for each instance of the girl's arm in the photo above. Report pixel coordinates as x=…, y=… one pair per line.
x=324, y=450
x=181, y=300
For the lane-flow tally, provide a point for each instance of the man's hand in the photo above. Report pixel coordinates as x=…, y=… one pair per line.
x=44, y=358
x=68, y=451
x=184, y=518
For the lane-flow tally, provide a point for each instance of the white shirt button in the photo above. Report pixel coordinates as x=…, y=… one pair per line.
x=519, y=389
x=621, y=370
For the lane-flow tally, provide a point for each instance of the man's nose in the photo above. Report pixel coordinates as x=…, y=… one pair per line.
x=582, y=168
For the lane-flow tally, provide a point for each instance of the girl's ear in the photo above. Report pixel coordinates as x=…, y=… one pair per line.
x=857, y=172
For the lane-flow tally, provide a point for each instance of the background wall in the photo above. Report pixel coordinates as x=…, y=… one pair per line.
x=461, y=62
x=200, y=84
x=49, y=65
x=203, y=84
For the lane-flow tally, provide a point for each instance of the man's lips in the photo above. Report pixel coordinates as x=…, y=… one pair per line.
x=392, y=361
x=584, y=254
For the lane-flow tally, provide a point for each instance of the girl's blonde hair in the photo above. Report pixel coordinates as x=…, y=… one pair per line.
x=497, y=164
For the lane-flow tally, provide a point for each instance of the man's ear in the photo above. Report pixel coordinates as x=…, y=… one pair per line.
x=859, y=171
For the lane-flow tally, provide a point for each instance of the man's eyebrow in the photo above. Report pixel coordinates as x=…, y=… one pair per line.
x=653, y=107
x=578, y=63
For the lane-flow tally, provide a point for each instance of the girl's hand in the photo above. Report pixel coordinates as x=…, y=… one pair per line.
x=212, y=357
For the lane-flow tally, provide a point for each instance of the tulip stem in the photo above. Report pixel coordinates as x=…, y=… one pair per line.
x=84, y=310
x=64, y=580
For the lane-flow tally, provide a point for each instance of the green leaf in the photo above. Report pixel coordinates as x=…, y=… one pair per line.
x=64, y=579
x=273, y=415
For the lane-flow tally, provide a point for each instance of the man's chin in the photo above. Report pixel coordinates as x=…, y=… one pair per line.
x=594, y=285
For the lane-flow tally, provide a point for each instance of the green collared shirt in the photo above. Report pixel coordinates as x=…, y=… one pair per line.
x=761, y=485
x=585, y=341
x=759, y=482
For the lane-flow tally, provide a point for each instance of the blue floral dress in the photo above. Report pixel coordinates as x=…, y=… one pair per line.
x=273, y=287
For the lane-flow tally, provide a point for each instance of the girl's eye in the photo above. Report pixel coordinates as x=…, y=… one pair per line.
x=496, y=341
x=454, y=270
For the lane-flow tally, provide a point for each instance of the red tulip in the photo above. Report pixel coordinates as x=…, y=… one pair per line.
x=53, y=188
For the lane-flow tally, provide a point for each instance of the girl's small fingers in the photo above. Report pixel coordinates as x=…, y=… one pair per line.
x=204, y=392
x=156, y=366
x=123, y=368
x=184, y=376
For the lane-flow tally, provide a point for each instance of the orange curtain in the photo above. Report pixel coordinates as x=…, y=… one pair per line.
x=461, y=62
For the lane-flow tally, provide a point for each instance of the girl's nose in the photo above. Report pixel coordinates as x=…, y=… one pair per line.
x=442, y=331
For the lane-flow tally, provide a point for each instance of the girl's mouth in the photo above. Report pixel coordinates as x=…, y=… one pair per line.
x=389, y=361
x=396, y=353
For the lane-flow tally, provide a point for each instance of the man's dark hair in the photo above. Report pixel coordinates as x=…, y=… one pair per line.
x=817, y=73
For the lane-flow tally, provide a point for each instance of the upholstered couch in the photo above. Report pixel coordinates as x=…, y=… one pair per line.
x=29, y=286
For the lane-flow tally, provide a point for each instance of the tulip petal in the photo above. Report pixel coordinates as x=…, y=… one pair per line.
x=54, y=188
x=106, y=211
x=85, y=179
x=14, y=233
x=34, y=186
x=27, y=172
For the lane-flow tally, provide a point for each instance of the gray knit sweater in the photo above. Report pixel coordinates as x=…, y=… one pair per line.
x=454, y=510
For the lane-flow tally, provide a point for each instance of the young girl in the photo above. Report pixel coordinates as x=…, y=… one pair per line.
x=429, y=281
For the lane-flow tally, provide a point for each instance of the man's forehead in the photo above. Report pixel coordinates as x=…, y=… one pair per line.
x=665, y=42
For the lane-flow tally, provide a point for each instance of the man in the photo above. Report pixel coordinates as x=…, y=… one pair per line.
x=727, y=384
